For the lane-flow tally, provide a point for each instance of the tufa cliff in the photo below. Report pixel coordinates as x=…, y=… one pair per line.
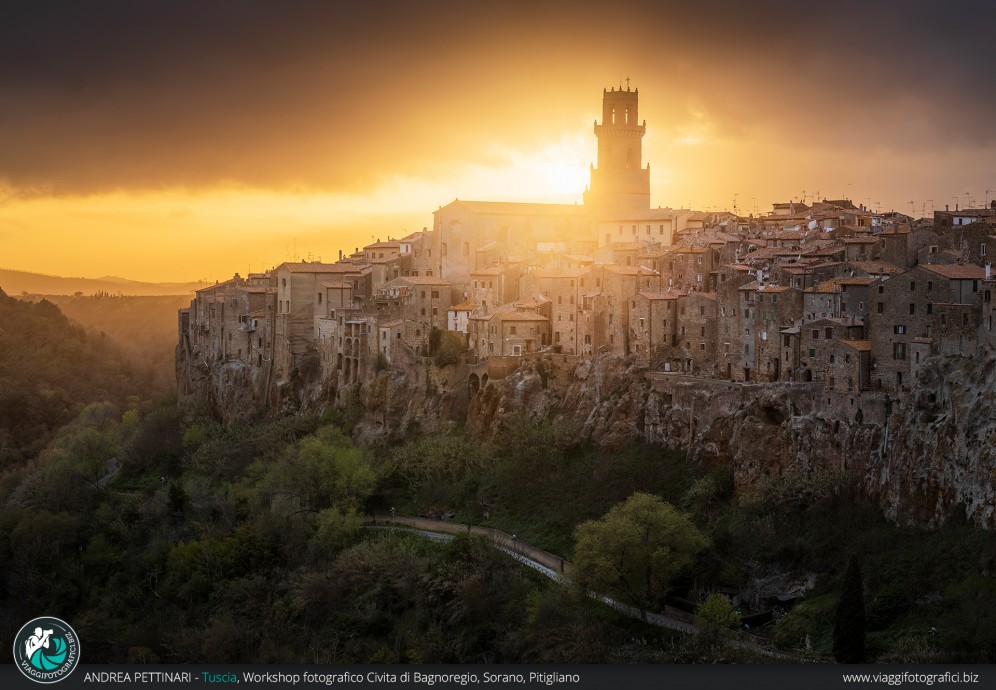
x=924, y=456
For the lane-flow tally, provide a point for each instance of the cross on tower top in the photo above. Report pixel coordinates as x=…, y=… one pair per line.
x=627, y=83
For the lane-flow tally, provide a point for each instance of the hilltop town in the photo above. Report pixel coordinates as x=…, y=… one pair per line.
x=824, y=292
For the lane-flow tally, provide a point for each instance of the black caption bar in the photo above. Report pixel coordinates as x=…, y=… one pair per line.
x=502, y=677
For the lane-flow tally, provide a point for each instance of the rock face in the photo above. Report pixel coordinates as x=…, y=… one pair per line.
x=924, y=457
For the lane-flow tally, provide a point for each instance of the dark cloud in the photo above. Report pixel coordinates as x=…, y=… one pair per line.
x=98, y=96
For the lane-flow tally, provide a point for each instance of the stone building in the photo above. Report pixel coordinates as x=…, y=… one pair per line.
x=653, y=323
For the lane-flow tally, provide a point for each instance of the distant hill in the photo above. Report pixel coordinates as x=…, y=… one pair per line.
x=50, y=368
x=17, y=282
x=143, y=326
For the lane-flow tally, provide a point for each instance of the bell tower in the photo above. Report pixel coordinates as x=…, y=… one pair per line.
x=619, y=184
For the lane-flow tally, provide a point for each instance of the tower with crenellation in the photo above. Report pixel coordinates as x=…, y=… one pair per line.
x=619, y=183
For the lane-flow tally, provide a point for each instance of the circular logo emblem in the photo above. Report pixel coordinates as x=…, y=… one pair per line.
x=46, y=650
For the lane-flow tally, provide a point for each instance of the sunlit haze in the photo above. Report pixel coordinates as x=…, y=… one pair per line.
x=298, y=130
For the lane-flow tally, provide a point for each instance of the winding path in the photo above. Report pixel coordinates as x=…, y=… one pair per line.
x=554, y=567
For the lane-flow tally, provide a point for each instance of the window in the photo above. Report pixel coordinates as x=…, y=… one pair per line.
x=899, y=350
x=512, y=330
x=982, y=249
x=899, y=329
x=881, y=307
x=912, y=308
x=319, y=298
x=930, y=308
x=832, y=359
x=812, y=352
x=881, y=289
x=912, y=285
x=701, y=330
x=816, y=334
x=930, y=285
x=701, y=311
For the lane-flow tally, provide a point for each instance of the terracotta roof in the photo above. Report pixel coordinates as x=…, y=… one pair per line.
x=956, y=271
x=826, y=287
x=859, y=345
x=859, y=240
x=879, y=267
x=518, y=316
x=393, y=324
x=489, y=271
x=857, y=280
x=334, y=284
x=465, y=306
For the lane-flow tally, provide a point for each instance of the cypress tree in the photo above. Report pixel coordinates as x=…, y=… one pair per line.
x=849, y=622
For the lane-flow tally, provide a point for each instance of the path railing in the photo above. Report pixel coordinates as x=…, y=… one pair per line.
x=497, y=536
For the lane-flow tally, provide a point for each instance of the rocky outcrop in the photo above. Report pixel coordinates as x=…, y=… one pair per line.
x=924, y=456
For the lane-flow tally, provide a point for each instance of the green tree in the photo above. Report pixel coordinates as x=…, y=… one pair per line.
x=849, y=622
x=635, y=551
x=714, y=615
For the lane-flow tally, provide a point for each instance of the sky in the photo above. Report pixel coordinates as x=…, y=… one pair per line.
x=182, y=139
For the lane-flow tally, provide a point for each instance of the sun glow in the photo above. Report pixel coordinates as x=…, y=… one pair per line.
x=183, y=234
